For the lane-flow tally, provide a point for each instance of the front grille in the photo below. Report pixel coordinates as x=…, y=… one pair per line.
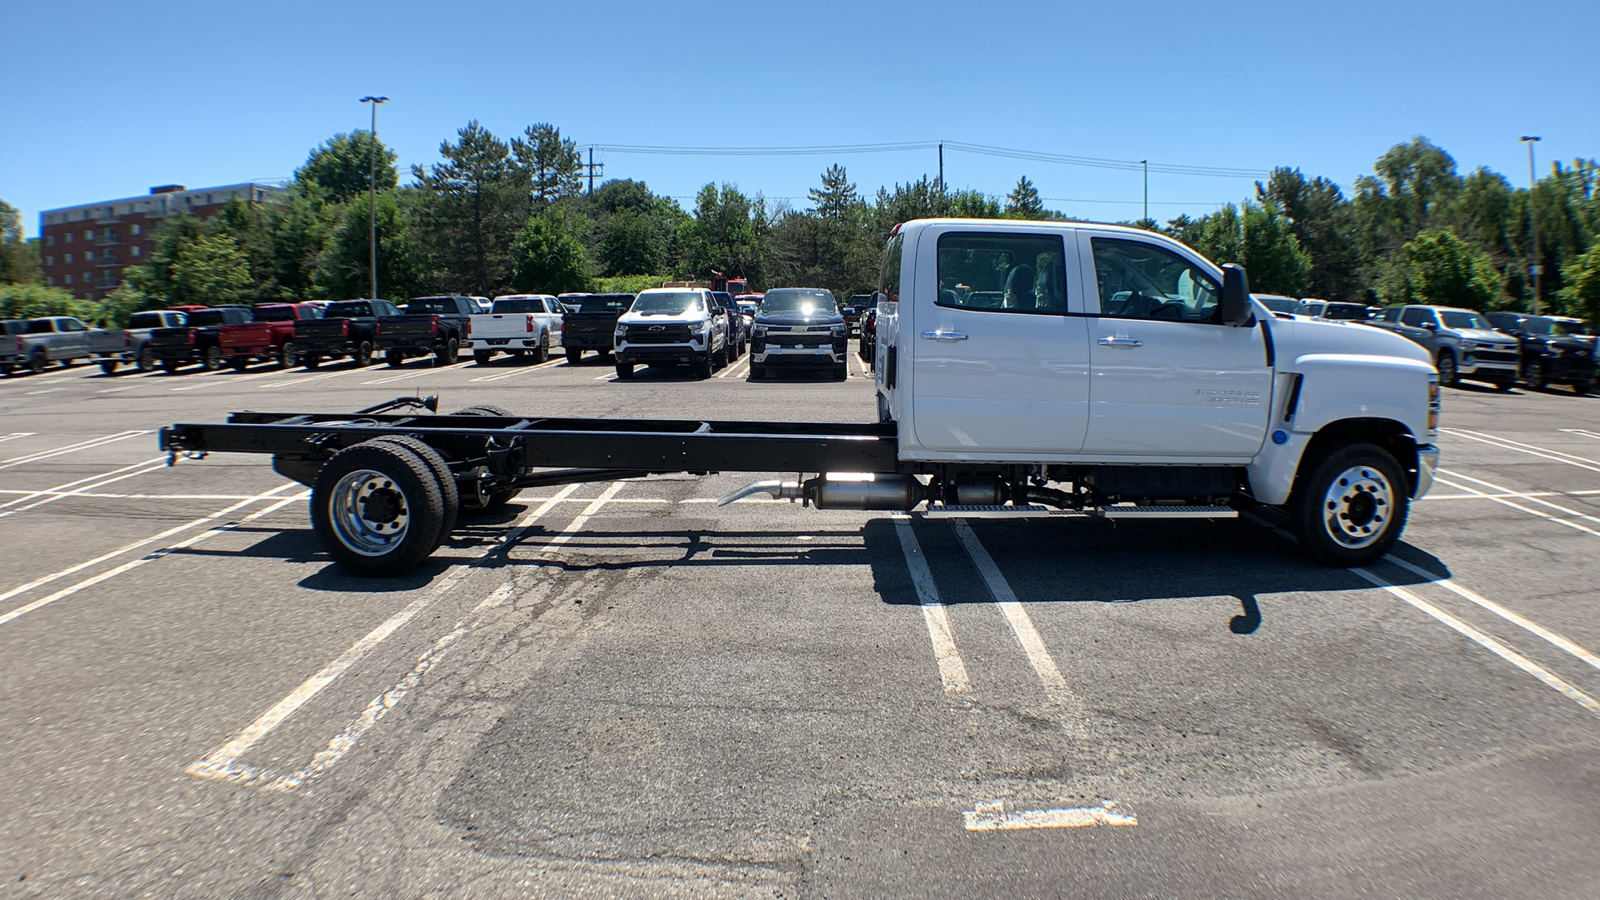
x=782, y=339
x=669, y=334
x=1496, y=356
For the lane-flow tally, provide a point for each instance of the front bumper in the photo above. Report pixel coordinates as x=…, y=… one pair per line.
x=799, y=357
x=694, y=351
x=1427, y=462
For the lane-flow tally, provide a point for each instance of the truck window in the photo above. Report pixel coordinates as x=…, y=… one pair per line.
x=510, y=305
x=348, y=310
x=1016, y=273
x=889, y=274
x=275, y=314
x=438, y=306
x=1139, y=280
x=605, y=303
x=1416, y=316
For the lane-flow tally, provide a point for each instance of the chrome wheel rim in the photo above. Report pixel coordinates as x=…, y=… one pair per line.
x=1358, y=506
x=369, y=512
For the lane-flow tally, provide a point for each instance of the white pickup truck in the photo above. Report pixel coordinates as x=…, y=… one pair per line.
x=1024, y=369
x=518, y=324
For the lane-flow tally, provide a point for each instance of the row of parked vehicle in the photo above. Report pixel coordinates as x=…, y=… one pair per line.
x=791, y=327
x=1497, y=348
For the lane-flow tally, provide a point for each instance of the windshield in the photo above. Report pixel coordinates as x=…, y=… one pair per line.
x=807, y=302
x=1281, y=304
x=274, y=314
x=433, y=305
x=518, y=305
x=347, y=310
x=147, y=320
x=604, y=303
x=667, y=303
x=203, y=317
x=1460, y=319
x=1344, y=311
x=1546, y=327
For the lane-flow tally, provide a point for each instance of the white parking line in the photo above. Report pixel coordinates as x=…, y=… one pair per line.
x=324, y=375
x=417, y=373
x=152, y=465
x=952, y=670
x=89, y=444
x=742, y=363
x=213, y=382
x=128, y=566
x=46, y=391
x=1517, y=506
x=66, y=487
x=1530, y=449
x=1510, y=492
x=221, y=763
x=1055, y=684
x=16, y=434
x=992, y=816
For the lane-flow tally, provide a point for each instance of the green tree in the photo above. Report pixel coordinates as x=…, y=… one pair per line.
x=1259, y=238
x=1323, y=223
x=1438, y=268
x=32, y=301
x=1023, y=202
x=549, y=164
x=723, y=235
x=19, y=260
x=341, y=166
x=473, y=206
x=1582, y=291
x=343, y=269
x=836, y=200
x=633, y=243
x=550, y=255
x=213, y=271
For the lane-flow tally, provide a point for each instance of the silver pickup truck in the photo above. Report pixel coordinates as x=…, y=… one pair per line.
x=1462, y=343
x=53, y=339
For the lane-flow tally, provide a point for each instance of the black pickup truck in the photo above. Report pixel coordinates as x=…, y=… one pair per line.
x=197, y=340
x=347, y=328
x=594, y=325
x=435, y=325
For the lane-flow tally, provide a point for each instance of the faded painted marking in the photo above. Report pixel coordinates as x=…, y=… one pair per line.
x=992, y=816
x=1488, y=643
x=1517, y=506
x=742, y=364
x=219, y=764
x=1055, y=684
x=1530, y=449
x=129, y=566
x=319, y=377
x=89, y=444
x=61, y=495
x=952, y=669
x=1553, y=638
x=65, y=488
x=46, y=391
x=1505, y=491
x=16, y=434
x=418, y=373
x=216, y=381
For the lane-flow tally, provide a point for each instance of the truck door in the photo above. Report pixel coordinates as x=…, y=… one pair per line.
x=1169, y=378
x=997, y=362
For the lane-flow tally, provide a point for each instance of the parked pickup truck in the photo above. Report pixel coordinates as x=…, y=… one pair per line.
x=670, y=327
x=57, y=339
x=347, y=328
x=1550, y=353
x=268, y=336
x=136, y=339
x=1148, y=385
x=518, y=324
x=1461, y=342
x=197, y=339
x=594, y=325
x=435, y=325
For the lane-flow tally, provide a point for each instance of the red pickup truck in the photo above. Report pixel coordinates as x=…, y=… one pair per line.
x=269, y=337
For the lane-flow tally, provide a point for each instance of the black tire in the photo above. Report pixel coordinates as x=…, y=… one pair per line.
x=170, y=365
x=288, y=355
x=624, y=370
x=705, y=365
x=449, y=353
x=496, y=499
x=1446, y=364
x=7, y=369
x=1583, y=387
x=239, y=363
x=311, y=360
x=1351, y=505
x=395, y=358
x=363, y=354
x=402, y=490
x=147, y=360
x=1534, y=374
x=605, y=354
x=448, y=492
x=38, y=361
x=482, y=357
x=68, y=363
x=574, y=356
x=841, y=372
x=212, y=360
x=108, y=366
x=757, y=372
x=542, y=354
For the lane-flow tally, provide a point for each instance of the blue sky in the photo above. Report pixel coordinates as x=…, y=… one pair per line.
x=108, y=99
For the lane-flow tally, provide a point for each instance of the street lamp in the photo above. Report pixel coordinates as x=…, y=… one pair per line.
x=372, y=184
x=1533, y=220
x=1146, y=164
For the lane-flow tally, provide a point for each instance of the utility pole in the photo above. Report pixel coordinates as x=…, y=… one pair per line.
x=1146, y=164
x=941, y=168
x=593, y=167
x=1534, y=268
x=372, y=191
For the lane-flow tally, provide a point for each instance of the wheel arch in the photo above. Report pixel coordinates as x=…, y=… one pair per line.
x=1388, y=434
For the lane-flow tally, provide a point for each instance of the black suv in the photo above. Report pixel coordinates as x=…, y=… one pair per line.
x=1551, y=354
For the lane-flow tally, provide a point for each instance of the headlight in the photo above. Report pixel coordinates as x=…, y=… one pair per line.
x=841, y=330
x=622, y=330
x=758, y=331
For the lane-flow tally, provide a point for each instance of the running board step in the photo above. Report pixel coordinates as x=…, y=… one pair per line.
x=997, y=512
x=1169, y=512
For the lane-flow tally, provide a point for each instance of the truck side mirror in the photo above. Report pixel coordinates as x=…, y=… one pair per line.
x=1236, y=297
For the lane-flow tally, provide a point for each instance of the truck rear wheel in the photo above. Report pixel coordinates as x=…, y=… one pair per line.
x=212, y=361
x=39, y=361
x=363, y=354
x=494, y=499
x=448, y=492
x=147, y=360
x=1446, y=365
x=574, y=356
x=542, y=354
x=108, y=366
x=377, y=508
x=482, y=357
x=239, y=363
x=288, y=355
x=311, y=360
x=1352, y=506
x=170, y=365
x=449, y=353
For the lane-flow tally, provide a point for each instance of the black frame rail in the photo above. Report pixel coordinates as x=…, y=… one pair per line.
x=645, y=445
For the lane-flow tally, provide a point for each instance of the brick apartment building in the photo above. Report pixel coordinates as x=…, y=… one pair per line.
x=85, y=249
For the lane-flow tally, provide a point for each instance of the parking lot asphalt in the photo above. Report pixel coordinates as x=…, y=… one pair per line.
x=618, y=689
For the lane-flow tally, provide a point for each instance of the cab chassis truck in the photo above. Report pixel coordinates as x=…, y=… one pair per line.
x=987, y=398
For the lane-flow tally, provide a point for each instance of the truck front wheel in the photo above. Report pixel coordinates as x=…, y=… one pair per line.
x=377, y=508
x=447, y=355
x=212, y=360
x=109, y=366
x=1351, y=507
x=1447, y=368
x=574, y=356
x=363, y=354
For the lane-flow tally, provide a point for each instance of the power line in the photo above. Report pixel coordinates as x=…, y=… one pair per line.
x=765, y=151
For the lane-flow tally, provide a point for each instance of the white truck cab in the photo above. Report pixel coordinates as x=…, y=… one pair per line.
x=1123, y=363
x=518, y=324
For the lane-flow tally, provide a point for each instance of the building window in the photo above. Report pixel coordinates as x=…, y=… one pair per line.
x=88, y=256
x=49, y=240
x=69, y=237
x=49, y=260
x=67, y=278
x=89, y=235
x=135, y=229
x=69, y=259
x=137, y=249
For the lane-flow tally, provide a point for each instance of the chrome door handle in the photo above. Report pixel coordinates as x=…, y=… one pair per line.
x=943, y=336
x=1120, y=342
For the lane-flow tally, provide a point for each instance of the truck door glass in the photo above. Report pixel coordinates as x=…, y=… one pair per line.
x=1014, y=273
x=1416, y=316
x=1144, y=281
x=889, y=275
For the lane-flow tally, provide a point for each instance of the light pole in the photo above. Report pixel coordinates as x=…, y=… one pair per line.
x=1146, y=164
x=1533, y=220
x=372, y=184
